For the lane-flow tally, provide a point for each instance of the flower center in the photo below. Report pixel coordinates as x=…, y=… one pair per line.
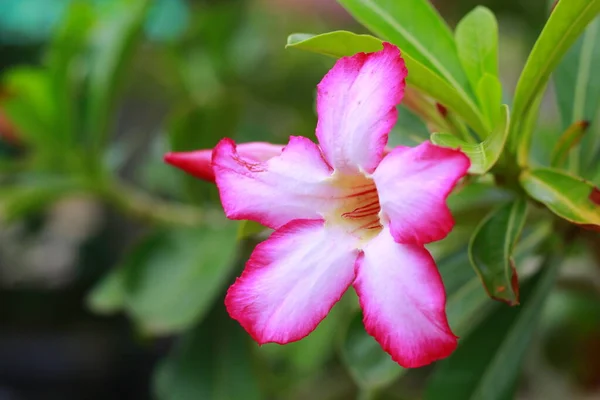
x=358, y=206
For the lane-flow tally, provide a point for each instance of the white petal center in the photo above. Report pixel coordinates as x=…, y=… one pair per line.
x=357, y=209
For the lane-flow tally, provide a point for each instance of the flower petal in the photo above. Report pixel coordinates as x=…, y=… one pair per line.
x=294, y=185
x=356, y=103
x=292, y=280
x=199, y=163
x=413, y=184
x=403, y=301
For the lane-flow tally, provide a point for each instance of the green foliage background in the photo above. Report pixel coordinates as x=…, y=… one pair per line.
x=113, y=266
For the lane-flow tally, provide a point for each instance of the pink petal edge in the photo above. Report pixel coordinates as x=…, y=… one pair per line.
x=293, y=185
x=356, y=105
x=292, y=280
x=403, y=300
x=413, y=185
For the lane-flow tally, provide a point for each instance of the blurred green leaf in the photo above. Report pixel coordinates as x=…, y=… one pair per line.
x=28, y=197
x=567, y=196
x=209, y=362
x=483, y=155
x=417, y=28
x=248, y=229
x=566, y=143
x=370, y=366
x=108, y=295
x=168, y=19
x=486, y=364
x=117, y=38
x=466, y=302
x=566, y=23
x=70, y=40
x=477, y=44
x=578, y=92
x=341, y=43
x=30, y=106
x=491, y=251
x=173, y=276
x=307, y=356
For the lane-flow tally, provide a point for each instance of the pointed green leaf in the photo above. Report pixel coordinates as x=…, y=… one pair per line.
x=415, y=27
x=335, y=44
x=483, y=155
x=491, y=251
x=173, y=276
x=567, y=141
x=341, y=43
x=566, y=23
x=567, y=196
x=487, y=362
x=578, y=93
x=477, y=43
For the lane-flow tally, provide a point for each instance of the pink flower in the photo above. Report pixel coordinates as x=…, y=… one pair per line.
x=345, y=214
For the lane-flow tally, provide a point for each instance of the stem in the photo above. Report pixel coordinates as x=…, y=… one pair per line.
x=146, y=208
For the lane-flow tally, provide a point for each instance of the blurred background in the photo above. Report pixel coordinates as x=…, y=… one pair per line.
x=113, y=265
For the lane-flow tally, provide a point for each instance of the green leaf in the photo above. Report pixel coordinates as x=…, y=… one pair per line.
x=578, y=92
x=483, y=155
x=466, y=303
x=487, y=363
x=118, y=36
x=335, y=44
x=30, y=106
x=477, y=44
x=568, y=197
x=70, y=41
x=308, y=355
x=415, y=27
x=210, y=362
x=108, y=296
x=567, y=141
x=370, y=366
x=566, y=23
x=173, y=277
x=489, y=92
x=341, y=43
x=28, y=197
x=491, y=251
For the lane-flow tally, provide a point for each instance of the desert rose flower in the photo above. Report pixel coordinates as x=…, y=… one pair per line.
x=345, y=214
